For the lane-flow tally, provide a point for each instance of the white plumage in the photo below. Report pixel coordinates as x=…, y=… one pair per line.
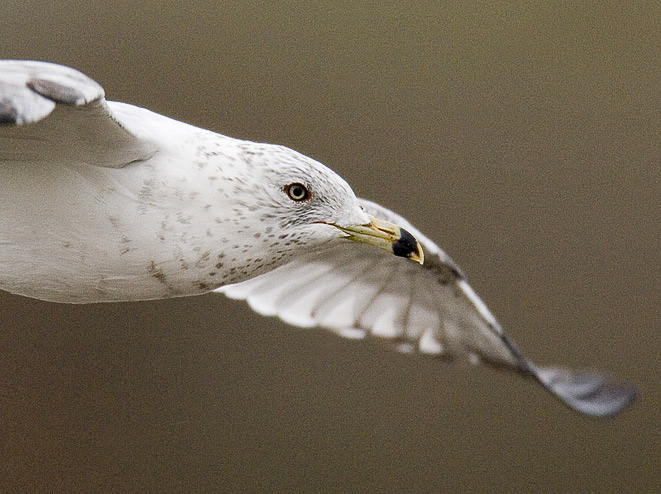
x=104, y=201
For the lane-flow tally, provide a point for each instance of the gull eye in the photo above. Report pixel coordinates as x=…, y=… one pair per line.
x=297, y=192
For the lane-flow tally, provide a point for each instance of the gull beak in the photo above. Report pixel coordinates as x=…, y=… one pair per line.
x=386, y=236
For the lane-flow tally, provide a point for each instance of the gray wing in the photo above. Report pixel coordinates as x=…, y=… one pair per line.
x=358, y=291
x=54, y=114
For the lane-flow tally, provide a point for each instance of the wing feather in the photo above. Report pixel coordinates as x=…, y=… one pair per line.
x=51, y=114
x=356, y=290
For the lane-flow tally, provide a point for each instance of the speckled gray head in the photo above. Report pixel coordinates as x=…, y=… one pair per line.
x=283, y=203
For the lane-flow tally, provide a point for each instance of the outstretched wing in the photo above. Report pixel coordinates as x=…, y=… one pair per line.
x=54, y=114
x=356, y=291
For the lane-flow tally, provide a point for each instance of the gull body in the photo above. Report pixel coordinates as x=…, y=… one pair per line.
x=174, y=222
x=103, y=201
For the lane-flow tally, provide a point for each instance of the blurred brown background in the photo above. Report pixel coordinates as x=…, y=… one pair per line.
x=524, y=137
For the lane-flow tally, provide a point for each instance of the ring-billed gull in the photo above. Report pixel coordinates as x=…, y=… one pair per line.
x=104, y=201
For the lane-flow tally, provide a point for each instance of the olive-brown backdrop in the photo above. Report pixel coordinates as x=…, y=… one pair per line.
x=524, y=137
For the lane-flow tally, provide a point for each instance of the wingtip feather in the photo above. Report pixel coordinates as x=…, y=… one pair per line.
x=29, y=90
x=588, y=393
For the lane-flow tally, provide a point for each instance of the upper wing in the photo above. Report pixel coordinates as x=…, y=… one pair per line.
x=54, y=114
x=356, y=290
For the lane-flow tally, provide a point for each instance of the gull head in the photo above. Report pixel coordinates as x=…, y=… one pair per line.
x=285, y=203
